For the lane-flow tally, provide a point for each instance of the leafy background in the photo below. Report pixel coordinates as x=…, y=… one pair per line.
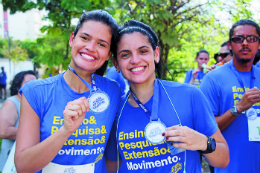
x=183, y=27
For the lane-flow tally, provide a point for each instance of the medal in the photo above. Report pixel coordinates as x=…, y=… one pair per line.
x=153, y=132
x=98, y=102
x=251, y=114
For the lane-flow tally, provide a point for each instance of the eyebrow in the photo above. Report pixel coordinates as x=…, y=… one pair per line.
x=123, y=51
x=91, y=37
x=129, y=50
x=142, y=47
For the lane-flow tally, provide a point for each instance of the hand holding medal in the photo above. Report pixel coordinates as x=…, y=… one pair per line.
x=249, y=98
x=98, y=100
x=74, y=113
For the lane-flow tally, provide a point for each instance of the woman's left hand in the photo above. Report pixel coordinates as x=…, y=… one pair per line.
x=186, y=138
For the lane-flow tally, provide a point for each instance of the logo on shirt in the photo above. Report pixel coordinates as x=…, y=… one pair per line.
x=176, y=168
x=69, y=170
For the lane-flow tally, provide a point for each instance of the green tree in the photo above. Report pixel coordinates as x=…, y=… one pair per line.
x=16, y=52
x=183, y=26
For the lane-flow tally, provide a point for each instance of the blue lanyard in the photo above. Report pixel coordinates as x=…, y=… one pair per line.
x=93, y=87
x=252, y=79
x=154, y=114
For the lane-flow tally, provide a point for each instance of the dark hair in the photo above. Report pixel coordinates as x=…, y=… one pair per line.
x=105, y=18
x=135, y=26
x=18, y=80
x=201, y=51
x=243, y=22
x=224, y=44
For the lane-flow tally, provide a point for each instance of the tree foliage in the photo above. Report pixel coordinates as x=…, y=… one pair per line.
x=16, y=52
x=183, y=26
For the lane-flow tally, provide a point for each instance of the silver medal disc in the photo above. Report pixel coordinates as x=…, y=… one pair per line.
x=251, y=114
x=98, y=102
x=153, y=132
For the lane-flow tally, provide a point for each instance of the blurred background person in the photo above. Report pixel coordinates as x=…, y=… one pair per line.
x=3, y=78
x=216, y=57
x=10, y=113
x=224, y=54
x=195, y=76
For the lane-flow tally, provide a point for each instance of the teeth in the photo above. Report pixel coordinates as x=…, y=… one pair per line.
x=87, y=56
x=137, y=69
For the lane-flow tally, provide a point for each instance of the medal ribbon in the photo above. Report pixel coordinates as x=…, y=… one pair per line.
x=154, y=112
x=252, y=79
x=93, y=86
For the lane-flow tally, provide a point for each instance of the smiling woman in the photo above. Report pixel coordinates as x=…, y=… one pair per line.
x=57, y=131
x=161, y=126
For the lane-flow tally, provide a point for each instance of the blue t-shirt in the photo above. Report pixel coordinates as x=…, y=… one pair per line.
x=3, y=78
x=48, y=98
x=113, y=74
x=258, y=64
x=198, y=79
x=223, y=91
x=137, y=153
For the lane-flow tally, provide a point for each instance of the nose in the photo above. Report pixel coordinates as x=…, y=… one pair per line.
x=90, y=46
x=245, y=42
x=135, y=59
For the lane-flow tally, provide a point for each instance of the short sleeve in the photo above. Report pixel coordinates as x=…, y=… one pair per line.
x=28, y=91
x=112, y=75
x=204, y=120
x=212, y=92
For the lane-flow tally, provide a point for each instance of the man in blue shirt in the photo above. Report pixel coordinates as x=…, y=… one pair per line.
x=194, y=77
x=234, y=96
x=3, y=78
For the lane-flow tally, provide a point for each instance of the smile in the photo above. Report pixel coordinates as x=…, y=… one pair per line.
x=137, y=69
x=87, y=56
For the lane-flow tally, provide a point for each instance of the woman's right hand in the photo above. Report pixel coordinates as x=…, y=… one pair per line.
x=74, y=114
x=195, y=74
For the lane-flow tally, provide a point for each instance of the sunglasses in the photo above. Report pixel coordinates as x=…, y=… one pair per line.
x=249, y=39
x=222, y=55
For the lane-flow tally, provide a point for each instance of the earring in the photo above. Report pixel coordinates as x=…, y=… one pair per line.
x=118, y=70
x=157, y=61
